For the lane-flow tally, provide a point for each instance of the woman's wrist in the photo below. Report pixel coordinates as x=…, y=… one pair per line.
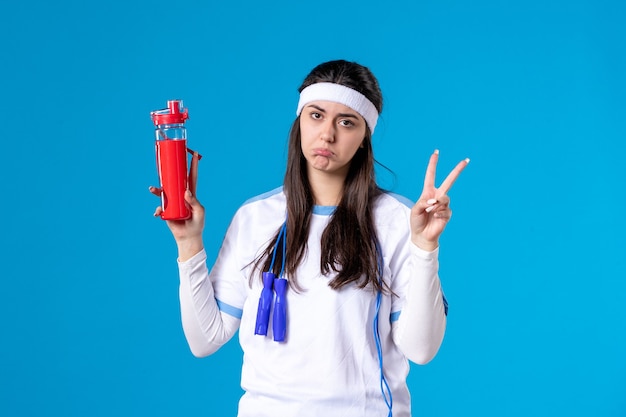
x=424, y=244
x=187, y=248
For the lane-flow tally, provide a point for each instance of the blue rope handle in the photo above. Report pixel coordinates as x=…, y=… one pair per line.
x=267, y=295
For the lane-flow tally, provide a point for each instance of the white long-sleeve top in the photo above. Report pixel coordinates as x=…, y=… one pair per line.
x=328, y=364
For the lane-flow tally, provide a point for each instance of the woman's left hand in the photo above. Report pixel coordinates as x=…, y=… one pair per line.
x=431, y=213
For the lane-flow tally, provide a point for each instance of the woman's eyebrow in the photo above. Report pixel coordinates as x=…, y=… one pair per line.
x=315, y=106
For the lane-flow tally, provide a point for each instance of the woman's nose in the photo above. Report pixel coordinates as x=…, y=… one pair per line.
x=328, y=132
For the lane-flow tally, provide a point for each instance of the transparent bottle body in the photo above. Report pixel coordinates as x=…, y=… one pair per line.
x=176, y=131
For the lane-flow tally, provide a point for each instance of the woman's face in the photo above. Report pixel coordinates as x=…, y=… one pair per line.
x=331, y=134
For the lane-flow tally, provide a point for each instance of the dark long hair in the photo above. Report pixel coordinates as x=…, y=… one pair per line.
x=349, y=243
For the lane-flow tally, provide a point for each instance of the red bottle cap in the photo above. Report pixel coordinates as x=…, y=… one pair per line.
x=175, y=113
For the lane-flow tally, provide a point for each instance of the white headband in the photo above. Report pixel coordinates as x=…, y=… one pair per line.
x=340, y=94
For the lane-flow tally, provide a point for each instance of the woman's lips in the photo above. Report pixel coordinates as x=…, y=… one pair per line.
x=322, y=152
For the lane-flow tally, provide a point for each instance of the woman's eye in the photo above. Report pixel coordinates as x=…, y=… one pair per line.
x=346, y=123
x=316, y=115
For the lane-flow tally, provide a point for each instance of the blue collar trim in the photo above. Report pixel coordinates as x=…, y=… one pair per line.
x=324, y=210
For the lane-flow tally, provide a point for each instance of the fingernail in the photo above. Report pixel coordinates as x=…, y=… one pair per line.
x=437, y=151
x=429, y=209
x=431, y=201
x=467, y=160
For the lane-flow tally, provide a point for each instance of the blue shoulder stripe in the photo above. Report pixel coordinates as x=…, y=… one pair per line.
x=402, y=199
x=394, y=316
x=230, y=310
x=264, y=195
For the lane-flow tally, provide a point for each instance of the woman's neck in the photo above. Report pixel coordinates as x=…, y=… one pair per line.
x=327, y=188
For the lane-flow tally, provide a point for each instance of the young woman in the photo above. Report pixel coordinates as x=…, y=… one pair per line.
x=331, y=281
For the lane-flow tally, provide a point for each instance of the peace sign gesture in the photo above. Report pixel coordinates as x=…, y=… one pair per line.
x=431, y=213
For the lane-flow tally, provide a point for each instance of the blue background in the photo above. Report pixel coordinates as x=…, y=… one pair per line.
x=532, y=264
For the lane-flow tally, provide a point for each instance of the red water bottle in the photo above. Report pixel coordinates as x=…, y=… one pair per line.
x=171, y=158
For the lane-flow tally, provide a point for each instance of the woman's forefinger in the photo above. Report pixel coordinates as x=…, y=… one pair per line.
x=155, y=190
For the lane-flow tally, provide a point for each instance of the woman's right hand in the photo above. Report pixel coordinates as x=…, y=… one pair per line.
x=187, y=233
